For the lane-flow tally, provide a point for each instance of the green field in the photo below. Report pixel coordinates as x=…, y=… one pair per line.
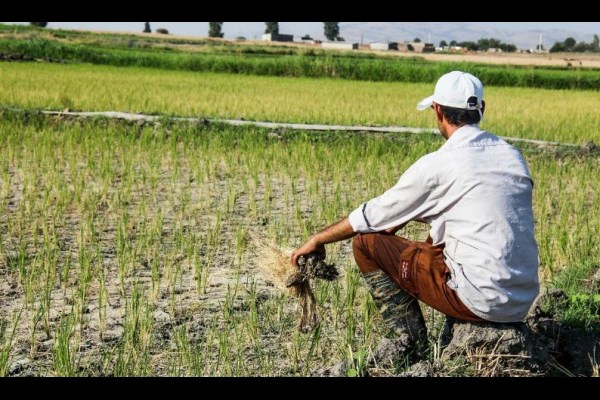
x=124, y=246
x=224, y=56
x=557, y=115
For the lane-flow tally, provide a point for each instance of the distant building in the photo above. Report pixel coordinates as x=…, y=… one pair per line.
x=277, y=37
x=384, y=46
x=494, y=50
x=428, y=48
x=340, y=45
x=306, y=41
x=417, y=47
x=405, y=47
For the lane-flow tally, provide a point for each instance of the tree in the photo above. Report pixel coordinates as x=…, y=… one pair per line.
x=163, y=31
x=147, y=27
x=39, y=24
x=272, y=27
x=508, y=47
x=469, y=45
x=581, y=47
x=332, y=30
x=569, y=43
x=557, y=47
x=214, y=29
x=595, y=46
x=453, y=43
x=443, y=43
x=417, y=40
x=306, y=37
x=484, y=44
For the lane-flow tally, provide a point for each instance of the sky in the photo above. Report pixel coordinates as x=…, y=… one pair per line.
x=254, y=30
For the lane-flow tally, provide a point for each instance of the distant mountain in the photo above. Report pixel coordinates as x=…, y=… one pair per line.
x=459, y=31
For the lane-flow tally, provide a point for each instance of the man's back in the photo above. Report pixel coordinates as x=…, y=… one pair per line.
x=476, y=193
x=481, y=194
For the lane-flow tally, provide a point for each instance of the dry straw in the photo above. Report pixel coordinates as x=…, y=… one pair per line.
x=274, y=262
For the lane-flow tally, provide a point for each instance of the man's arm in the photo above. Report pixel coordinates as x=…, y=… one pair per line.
x=333, y=233
x=407, y=201
x=341, y=230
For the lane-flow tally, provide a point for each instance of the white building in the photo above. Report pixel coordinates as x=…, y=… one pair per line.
x=340, y=45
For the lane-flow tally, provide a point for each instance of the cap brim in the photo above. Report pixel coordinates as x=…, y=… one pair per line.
x=425, y=103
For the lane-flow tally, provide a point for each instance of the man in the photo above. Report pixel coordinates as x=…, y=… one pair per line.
x=481, y=259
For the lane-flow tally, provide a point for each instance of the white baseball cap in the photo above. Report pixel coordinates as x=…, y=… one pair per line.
x=456, y=89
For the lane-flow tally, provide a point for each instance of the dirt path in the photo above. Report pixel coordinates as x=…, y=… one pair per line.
x=275, y=125
x=575, y=60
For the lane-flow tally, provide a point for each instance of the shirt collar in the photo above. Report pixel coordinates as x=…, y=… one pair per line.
x=460, y=136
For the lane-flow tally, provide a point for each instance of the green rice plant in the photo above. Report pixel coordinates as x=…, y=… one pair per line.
x=132, y=356
x=102, y=300
x=7, y=336
x=65, y=357
x=49, y=278
x=183, y=355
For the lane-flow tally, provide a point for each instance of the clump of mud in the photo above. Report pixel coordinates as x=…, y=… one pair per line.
x=495, y=349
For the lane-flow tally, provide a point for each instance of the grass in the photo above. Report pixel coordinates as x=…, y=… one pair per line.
x=558, y=115
x=126, y=245
x=581, y=307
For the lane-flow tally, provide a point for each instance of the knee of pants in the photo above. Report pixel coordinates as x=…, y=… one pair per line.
x=362, y=253
x=358, y=244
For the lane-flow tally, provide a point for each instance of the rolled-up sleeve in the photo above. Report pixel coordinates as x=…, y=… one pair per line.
x=357, y=219
x=408, y=199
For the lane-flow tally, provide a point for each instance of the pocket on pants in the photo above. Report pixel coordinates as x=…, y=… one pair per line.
x=407, y=269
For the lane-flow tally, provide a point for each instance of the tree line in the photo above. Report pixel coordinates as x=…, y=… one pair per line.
x=571, y=45
x=482, y=45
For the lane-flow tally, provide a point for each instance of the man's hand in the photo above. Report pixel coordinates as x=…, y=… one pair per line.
x=311, y=246
x=341, y=230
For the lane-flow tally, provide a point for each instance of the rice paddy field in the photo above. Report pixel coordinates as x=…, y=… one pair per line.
x=124, y=246
x=546, y=114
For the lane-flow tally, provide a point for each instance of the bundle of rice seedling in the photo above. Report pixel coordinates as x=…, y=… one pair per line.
x=274, y=262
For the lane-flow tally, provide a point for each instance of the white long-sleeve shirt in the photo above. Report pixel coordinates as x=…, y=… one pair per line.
x=475, y=191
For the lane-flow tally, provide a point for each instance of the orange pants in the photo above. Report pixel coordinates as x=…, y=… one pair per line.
x=416, y=267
